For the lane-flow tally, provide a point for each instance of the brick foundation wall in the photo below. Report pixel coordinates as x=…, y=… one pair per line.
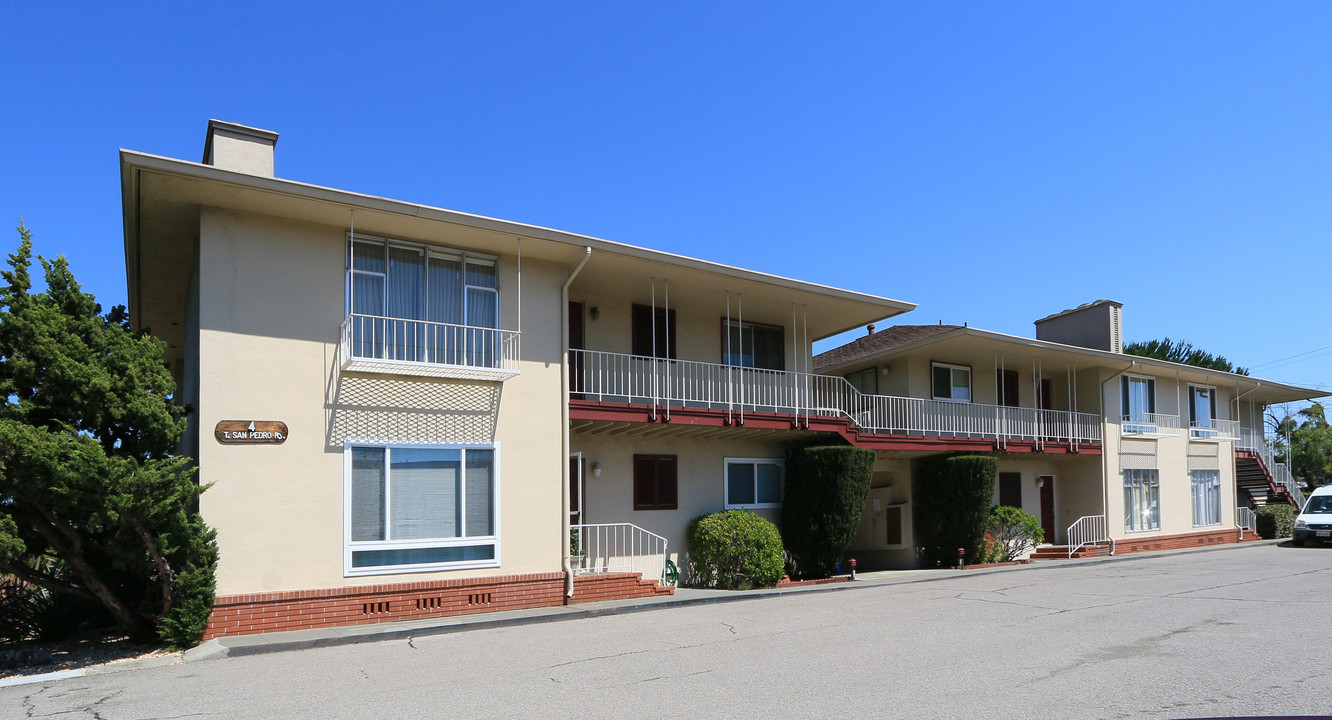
x=302, y=609
x=1179, y=542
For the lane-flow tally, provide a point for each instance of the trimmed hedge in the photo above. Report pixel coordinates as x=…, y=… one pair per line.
x=1275, y=521
x=951, y=498
x=734, y=550
x=826, y=488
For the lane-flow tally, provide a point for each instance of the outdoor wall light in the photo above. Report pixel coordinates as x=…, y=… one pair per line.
x=596, y=469
x=886, y=368
x=595, y=312
x=1040, y=482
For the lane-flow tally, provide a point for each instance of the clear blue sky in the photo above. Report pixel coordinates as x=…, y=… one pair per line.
x=993, y=162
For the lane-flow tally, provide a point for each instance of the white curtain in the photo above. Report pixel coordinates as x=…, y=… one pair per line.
x=480, y=491
x=424, y=489
x=367, y=510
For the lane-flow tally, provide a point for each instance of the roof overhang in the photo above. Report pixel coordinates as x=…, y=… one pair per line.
x=161, y=197
x=1019, y=352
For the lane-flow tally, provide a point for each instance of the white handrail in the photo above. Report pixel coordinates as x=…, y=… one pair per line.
x=617, y=547
x=1088, y=530
x=1246, y=520
x=633, y=379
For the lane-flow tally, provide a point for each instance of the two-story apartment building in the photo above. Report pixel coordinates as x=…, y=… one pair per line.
x=404, y=411
x=1108, y=450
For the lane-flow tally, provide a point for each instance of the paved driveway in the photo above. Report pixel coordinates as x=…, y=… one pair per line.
x=1239, y=631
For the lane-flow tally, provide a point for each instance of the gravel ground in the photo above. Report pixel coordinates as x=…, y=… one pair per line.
x=85, y=652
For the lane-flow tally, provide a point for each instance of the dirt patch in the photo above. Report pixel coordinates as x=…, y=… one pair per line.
x=85, y=652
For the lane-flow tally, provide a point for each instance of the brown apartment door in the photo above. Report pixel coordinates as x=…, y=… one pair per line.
x=1007, y=384
x=576, y=489
x=576, y=365
x=1048, y=508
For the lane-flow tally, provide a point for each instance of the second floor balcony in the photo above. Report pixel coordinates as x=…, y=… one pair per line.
x=399, y=346
x=636, y=379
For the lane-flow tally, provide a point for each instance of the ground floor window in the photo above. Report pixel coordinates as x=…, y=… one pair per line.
x=414, y=508
x=655, y=482
x=1206, y=497
x=1142, y=500
x=753, y=483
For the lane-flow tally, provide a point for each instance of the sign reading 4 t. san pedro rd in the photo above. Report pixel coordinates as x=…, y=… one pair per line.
x=251, y=432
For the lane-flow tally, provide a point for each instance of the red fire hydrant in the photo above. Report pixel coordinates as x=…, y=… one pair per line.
x=853, y=568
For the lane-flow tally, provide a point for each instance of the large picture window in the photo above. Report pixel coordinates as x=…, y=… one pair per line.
x=1206, y=497
x=412, y=303
x=952, y=382
x=412, y=508
x=1142, y=500
x=753, y=483
x=753, y=345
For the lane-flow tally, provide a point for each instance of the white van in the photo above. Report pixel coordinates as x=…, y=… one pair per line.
x=1315, y=521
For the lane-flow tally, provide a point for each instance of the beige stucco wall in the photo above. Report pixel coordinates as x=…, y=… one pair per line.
x=700, y=470
x=1171, y=463
x=270, y=305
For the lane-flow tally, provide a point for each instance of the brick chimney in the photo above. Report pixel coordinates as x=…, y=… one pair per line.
x=240, y=148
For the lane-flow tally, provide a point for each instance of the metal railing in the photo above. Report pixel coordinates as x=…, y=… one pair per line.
x=1257, y=442
x=379, y=340
x=1149, y=423
x=1088, y=530
x=686, y=383
x=1214, y=429
x=1246, y=520
x=617, y=547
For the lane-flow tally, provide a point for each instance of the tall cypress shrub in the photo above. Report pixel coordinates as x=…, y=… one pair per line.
x=826, y=488
x=951, y=497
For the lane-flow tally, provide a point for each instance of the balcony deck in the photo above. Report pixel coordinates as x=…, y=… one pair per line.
x=420, y=348
x=735, y=394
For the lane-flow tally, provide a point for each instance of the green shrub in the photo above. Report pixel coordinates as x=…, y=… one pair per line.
x=1015, y=530
x=1275, y=521
x=734, y=550
x=951, y=499
x=825, y=496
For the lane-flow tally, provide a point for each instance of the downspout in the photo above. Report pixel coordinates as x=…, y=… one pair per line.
x=1105, y=457
x=567, y=563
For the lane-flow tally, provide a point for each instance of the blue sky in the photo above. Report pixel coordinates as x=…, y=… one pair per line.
x=993, y=162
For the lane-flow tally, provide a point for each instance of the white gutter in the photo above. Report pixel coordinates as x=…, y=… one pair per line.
x=564, y=425
x=1105, y=457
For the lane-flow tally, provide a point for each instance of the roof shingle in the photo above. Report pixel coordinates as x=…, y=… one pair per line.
x=886, y=339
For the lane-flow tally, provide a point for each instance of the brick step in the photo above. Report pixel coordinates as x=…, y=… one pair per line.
x=1060, y=552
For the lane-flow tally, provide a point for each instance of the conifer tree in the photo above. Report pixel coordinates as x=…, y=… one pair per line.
x=88, y=471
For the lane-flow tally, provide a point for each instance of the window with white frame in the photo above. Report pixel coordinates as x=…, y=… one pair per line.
x=1142, y=500
x=1202, y=407
x=754, y=483
x=951, y=382
x=1137, y=399
x=418, y=304
x=421, y=507
x=1206, y=497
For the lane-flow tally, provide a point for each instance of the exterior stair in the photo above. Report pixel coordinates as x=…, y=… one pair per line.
x=1060, y=552
x=1253, y=478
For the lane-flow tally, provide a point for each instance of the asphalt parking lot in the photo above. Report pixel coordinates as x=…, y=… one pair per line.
x=1238, y=631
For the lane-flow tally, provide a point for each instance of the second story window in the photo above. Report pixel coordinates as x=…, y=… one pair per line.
x=1202, y=406
x=952, y=382
x=866, y=381
x=753, y=345
x=417, y=304
x=1137, y=398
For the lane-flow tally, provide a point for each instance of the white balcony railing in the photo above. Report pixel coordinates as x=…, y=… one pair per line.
x=1213, y=429
x=1257, y=442
x=664, y=383
x=1144, y=423
x=617, y=547
x=371, y=343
